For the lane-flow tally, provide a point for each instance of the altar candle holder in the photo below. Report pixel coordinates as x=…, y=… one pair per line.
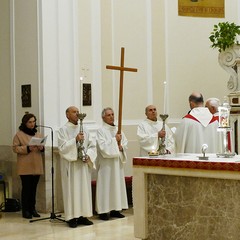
x=81, y=150
x=225, y=131
x=162, y=146
x=153, y=152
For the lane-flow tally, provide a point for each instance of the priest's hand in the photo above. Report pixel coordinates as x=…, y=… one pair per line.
x=87, y=159
x=80, y=137
x=120, y=147
x=118, y=137
x=161, y=133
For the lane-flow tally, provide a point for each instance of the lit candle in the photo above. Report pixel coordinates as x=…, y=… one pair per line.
x=153, y=152
x=165, y=98
x=81, y=97
x=153, y=149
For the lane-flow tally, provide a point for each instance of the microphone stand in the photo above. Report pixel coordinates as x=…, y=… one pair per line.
x=52, y=215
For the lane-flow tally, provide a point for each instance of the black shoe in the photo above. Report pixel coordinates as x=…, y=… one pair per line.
x=26, y=214
x=84, y=221
x=116, y=214
x=72, y=223
x=35, y=213
x=104, y=216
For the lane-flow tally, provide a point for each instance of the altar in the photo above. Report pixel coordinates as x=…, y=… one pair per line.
x=184, y=198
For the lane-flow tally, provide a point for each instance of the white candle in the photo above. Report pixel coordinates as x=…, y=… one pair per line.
x=153, y=149
x=165, y=98
x=81, y=97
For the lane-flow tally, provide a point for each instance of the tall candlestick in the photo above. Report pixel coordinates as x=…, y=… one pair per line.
x=81, y=97
x=165, y=98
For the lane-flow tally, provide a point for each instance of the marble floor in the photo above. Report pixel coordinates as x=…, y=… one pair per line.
x=14, y=227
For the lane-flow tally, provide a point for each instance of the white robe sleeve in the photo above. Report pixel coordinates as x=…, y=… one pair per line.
x=148, y=141
x=170, y=143
x=67, y=147
x=108, y=145
x=90, y=149
x=123, y=154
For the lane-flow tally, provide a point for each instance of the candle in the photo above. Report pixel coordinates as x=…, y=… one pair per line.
x=153, y=149
x=165, y=98
x=153, y=152
x=81, y=97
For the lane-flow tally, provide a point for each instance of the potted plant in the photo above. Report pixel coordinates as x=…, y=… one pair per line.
x=224, y=35
x=224, y=38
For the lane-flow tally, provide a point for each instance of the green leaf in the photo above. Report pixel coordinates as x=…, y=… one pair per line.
x=224, y=35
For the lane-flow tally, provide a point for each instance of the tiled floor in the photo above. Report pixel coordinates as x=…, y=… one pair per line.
x=14, y=227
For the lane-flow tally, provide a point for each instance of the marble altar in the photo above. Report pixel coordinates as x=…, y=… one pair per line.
x=181, y=197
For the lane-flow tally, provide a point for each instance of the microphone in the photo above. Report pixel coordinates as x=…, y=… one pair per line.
x=43, y=126
x=204, y=148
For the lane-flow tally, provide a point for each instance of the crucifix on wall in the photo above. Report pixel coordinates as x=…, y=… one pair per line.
x=122, y=69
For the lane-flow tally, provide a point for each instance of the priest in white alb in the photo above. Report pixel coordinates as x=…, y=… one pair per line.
x=111, y=195
x=150, y=133
x=75, y=171
x=198, y=127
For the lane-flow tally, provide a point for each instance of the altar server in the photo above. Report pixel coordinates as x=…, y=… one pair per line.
x=197, y=128
x=111, y=196
x=76, y=173
x=150, y=133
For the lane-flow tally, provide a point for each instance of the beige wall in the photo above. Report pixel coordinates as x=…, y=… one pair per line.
x=192, y=64
x=177, y=51
x=5, y=74
x=25, y=45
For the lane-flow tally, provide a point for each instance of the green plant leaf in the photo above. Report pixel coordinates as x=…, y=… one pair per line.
x=224, y=35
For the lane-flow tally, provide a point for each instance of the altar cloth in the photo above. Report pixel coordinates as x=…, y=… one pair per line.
x=190, y=161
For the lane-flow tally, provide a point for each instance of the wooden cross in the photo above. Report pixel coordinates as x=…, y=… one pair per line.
x=121, y=69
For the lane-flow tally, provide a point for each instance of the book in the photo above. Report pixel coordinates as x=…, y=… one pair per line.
x=35, y=141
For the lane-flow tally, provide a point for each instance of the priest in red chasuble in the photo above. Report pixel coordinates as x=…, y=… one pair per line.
x=198, y=127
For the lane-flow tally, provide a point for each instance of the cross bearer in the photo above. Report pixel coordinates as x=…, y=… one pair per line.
x=111, y=195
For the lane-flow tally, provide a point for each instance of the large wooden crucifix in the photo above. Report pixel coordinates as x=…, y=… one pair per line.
x=121, y=69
